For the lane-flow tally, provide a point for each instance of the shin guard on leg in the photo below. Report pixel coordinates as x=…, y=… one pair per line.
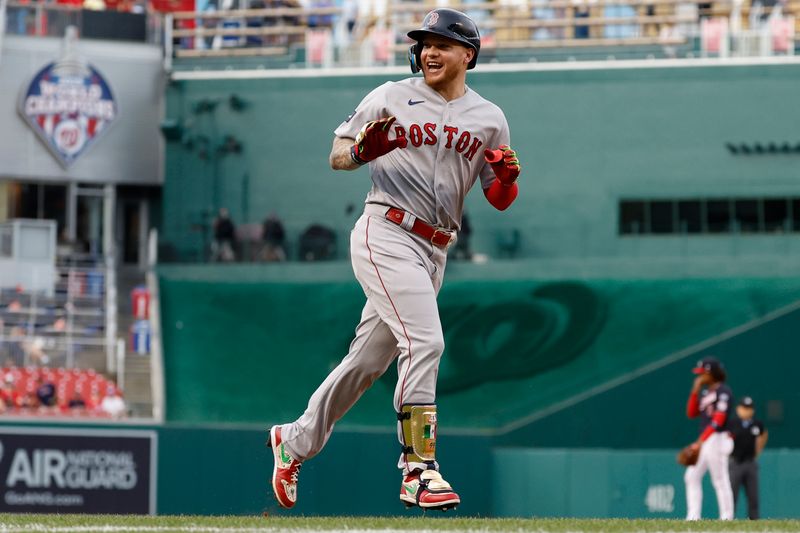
x=418, y=424
x=422, y=485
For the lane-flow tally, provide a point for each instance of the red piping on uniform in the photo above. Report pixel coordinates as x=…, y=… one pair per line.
x=692, y=406
x=386, y=292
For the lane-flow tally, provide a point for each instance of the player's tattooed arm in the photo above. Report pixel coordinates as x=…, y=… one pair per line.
x=340, y=157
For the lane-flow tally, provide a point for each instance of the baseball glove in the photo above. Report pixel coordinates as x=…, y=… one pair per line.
x=688, y=455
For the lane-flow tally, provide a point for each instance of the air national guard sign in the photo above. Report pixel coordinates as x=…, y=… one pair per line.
x=68, y=103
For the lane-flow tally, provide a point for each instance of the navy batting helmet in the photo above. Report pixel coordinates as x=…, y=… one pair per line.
x=446, y=23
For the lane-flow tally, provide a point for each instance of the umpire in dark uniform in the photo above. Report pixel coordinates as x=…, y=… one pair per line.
x=749, y=439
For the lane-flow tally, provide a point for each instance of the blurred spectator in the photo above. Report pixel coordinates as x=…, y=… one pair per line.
x=22, y=16
x=320, y=21
x=201, y=43
x=704, y=8
x=113, y=404
x=287, y=20
x=581, y=12
x=274, y=237
x=229, y=40
x=59, y=325
x=650, y=30
x=77, y=401
x=28, y=401
x=224, y=237
x=34, y=351
x=45, y=392
x=9, y=394
x=665, y=34
x=350, y=14
x=760, y=11
x=14, y=352
x=317, y=243
x=256, y=22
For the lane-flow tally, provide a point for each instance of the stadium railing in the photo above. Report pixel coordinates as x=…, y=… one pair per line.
x=40, y=19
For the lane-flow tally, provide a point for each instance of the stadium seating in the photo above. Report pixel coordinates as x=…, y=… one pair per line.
x=20, y=383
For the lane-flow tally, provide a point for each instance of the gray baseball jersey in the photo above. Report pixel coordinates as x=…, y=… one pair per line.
x=399, y=271
x=444, y=157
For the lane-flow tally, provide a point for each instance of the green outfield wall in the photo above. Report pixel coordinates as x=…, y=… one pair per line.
x=648, y=409
x=586, y=135
x=624, y=484
x=217, y=471
x=225, y=470
x=519, y=353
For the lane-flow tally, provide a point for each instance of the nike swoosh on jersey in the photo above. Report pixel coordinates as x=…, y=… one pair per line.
x=414, y=102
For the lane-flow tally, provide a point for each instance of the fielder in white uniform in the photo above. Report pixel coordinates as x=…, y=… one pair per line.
x=711, y=400
x=427, y=141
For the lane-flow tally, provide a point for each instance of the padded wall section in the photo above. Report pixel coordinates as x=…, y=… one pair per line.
x=240, y=351
x=605, y=483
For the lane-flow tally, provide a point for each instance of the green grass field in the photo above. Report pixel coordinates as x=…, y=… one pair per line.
x=437, y=522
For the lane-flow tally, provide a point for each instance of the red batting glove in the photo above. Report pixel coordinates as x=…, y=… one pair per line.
x=504, y=163
x=373, y=141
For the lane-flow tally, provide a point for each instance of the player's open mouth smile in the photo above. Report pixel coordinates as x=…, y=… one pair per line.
x=433, y=66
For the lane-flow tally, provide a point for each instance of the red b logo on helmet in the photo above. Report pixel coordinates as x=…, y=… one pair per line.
x=433, y=18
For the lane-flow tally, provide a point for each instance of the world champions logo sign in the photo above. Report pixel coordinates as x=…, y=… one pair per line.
x=68, y=103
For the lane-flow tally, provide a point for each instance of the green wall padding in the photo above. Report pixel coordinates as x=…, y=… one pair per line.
x=648, y=411
x=226, y=470
x=255, y=351
x=605, y=483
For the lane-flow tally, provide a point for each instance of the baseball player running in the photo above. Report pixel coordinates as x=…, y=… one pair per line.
x=711, y=400
x=427, y=141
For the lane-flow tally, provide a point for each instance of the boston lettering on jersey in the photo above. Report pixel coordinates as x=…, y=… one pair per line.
x=426, y=134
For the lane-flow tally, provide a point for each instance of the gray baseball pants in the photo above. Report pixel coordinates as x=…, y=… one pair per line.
x=400, y=273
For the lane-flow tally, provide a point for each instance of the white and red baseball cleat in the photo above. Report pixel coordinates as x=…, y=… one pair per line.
x=428, y=490
x=285, y=472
